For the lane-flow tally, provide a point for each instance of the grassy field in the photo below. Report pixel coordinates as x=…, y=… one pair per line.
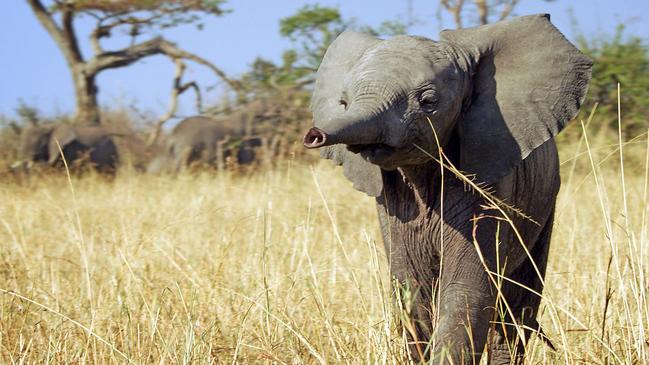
x=285, y=266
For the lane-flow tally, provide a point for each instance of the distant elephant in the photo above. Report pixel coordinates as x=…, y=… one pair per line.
x=199, y=139
x=492, y=98
x=38, y=143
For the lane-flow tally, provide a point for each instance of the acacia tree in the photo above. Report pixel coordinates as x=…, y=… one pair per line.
x=137, y=19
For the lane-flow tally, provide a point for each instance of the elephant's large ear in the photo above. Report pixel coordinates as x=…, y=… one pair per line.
x=62, y=134
x=341, y=55
x=528, y=82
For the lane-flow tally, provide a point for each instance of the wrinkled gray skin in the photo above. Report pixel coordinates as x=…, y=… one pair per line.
x=495, y=96
x=38, y=143
x=197, y=138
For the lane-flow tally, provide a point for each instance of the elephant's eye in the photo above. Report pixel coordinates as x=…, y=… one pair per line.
x=428, y=100
x=343, y=103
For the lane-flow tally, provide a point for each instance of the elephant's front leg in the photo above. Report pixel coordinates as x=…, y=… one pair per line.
x=446, y=296
x=413, y=286
x=447, y=308
x=464, y=307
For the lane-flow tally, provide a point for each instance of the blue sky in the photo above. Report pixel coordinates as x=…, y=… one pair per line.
x=32, y=68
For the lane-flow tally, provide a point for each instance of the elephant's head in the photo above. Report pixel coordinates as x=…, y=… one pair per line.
x=44, y=142
x=496, y=91
x=34, y=143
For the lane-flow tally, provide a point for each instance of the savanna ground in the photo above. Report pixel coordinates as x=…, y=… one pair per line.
x=286, y=266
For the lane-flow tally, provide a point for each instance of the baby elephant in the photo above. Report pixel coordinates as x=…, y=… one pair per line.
x=44, y=143
x=486, y=101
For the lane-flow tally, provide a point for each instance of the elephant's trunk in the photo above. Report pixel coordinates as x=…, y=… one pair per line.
x=354, y=127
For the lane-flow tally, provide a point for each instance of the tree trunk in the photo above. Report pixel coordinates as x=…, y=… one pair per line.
x=483, y=11
x=85, y=90
x=64, y=35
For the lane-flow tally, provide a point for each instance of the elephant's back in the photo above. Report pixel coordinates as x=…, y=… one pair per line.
x=92, y=135
x=206, y=129
x=191, y=124
x=196, y=126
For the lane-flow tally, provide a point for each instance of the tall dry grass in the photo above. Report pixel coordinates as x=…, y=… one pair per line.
x=286, y=266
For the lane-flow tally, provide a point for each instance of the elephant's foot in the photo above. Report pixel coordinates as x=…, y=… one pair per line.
x=503, y=353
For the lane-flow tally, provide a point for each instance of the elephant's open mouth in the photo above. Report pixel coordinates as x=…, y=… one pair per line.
x=372, y=151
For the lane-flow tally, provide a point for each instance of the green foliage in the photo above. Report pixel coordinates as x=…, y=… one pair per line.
x=27, y=113
x=314, y=27
x=308, y=19
x=124, y=6
x=139, y=14
x=623, y=60
x=387, y=28
x=265, y=75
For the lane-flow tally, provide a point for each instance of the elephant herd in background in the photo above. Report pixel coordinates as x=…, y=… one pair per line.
x=58, y=143
x=208, y=141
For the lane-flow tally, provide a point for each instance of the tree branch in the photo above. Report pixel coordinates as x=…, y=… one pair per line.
x=456, y=9
x=508, y=9
x=158, y=45
x=483, y=11
x=130, y=6
x=177, y=89
x=44, y=17
x=70, y=34
x=98, y=33
x=104, y=30
x=197, y=91
x=65, y=38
